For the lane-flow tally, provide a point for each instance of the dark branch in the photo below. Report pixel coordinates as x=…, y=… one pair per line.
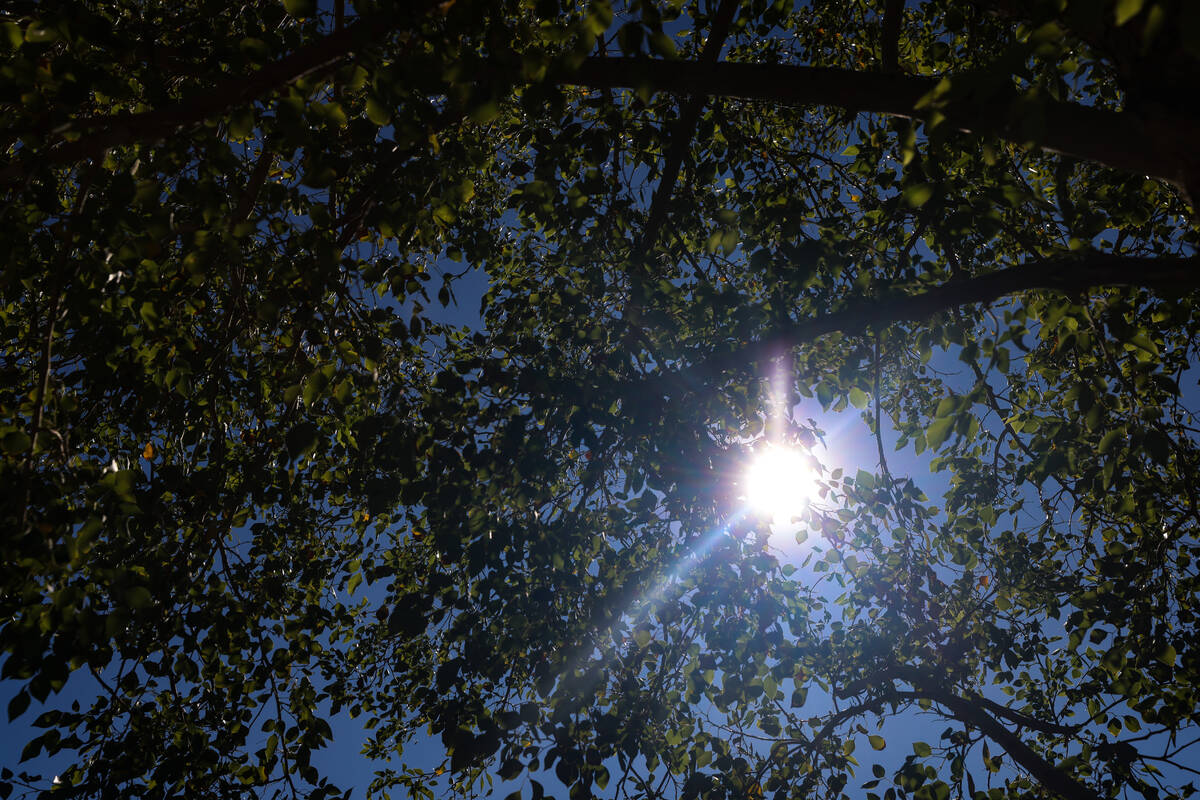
x=689, y=115
x=970, y=711
x=889, y=45
x=98, y=134
x=1025, y=720
x=1043, y=771
x=1125, y=141
x=1068, y=274
x=254, y=185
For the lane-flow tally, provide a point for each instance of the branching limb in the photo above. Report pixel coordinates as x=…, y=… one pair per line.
x=1067, y=274
x=99, y=134
x=689, y=115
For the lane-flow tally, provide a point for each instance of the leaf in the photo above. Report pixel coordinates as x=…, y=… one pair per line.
x=921, y=749
x=1126, y=10
x=858, y=398
x=18, y=704
x=405, y=620
x=938, y=431
x=16, y=442
x=150, y=315
x=241, y=123
x=377, y=112
x=918, y=194
x=148, y=451
x=302, y=438
x=314, y=387
x=663, y=45
x=300, y=8
x=254, y=49
x=877, y=743
x=138, y=597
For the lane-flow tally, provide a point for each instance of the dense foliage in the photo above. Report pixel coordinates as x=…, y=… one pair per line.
x=264, y=465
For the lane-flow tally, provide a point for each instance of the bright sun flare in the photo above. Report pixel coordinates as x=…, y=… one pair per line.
x=779, y=483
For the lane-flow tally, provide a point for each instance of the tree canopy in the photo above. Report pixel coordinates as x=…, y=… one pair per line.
x=267, y=464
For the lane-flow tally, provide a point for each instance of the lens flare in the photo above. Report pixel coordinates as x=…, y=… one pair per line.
x=779, y=483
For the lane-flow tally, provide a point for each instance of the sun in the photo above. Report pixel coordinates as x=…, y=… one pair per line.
x=779, y=483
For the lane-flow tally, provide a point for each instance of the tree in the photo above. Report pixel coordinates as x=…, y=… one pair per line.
x=259, y=474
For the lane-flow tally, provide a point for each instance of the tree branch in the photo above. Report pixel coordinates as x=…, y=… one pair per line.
x=45, y=361
x=689, y=115
x=1154, y=147
x=889, y=44
x=258, y=176
x=1067, y=274
x=1043, y=771
x=970, y=712
x=98, y=134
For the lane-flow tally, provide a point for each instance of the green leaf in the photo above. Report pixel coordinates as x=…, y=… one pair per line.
x=16, y=442
x=241, y=123
x=858, y=398
x=1167, y=655
x=1126, y=10
x=150, y=315
x=302, y=438
x=921, y=749
x=18, y=704
x=663, y=45
x=138, y=597
x=918, y=194
x=377, y=112
x=38, y=33
x=254, y=49
x=864, y=480
x=314, y=387
x=300, y=8
x=938, y=431
x=877, y=743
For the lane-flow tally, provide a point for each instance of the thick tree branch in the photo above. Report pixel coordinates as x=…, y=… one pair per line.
x=689, y=115
x=889, y=44
x=1155, y=147
x=1068, y=274
x=102, y=133
x=98, y=134
x=970, y=711
x=1043, y=771
x=1025, y=720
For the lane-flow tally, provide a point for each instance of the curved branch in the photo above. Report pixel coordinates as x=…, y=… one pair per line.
x=970, y=711
x=689, y=115
x=1067, y=274
x=98, y=134
x=1043, y=771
